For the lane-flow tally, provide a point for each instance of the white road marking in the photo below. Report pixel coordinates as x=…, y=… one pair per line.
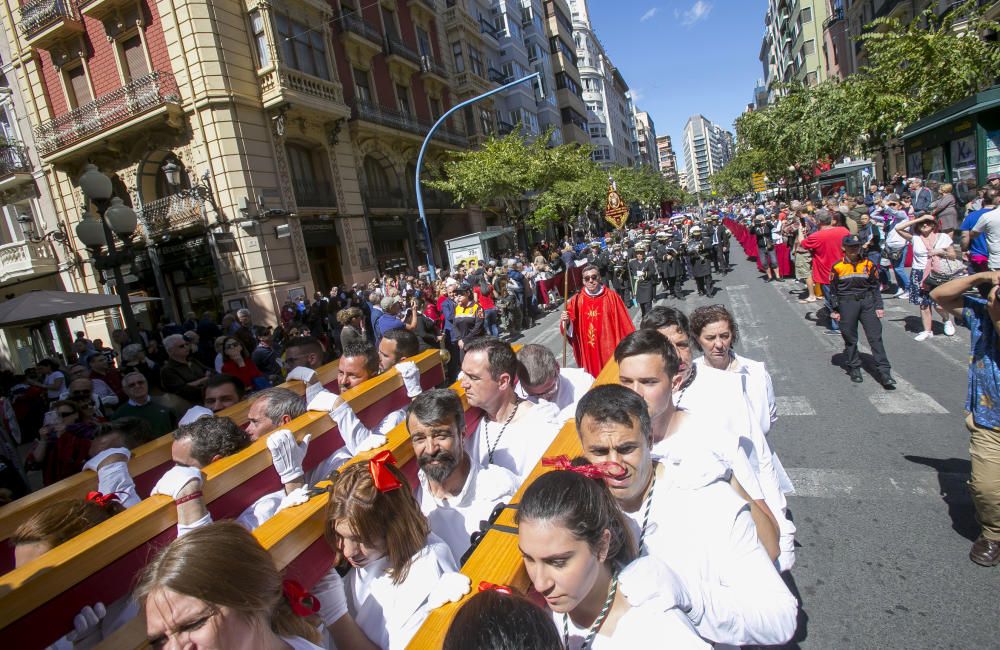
x=793, y=405
x=736, y=286
x=835, y=483
x=904, y=400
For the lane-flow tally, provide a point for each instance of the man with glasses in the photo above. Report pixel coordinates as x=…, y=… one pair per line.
x=540, y=378
x=140, y=405
x=181, y=374
x=594, y=320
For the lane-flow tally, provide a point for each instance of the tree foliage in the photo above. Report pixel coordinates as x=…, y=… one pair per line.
x=538, y=184
x=913, y=71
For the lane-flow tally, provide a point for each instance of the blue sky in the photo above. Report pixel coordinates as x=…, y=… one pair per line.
x=683, y=57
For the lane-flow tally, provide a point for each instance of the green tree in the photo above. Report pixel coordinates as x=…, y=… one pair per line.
x=507, y=175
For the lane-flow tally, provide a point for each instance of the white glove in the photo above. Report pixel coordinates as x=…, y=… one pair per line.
x=86, y=623
x=332, y=599
x=374, y=441
x=411, y=377
x=647, y=578
x=325, y=401
x=296, y=497
x=175, y=479
x=287, y=454
x=301, y=373
x=94, y=462
x=449, y=589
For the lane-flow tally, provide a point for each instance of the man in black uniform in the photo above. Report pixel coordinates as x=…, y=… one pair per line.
x=644, y=278
x=855, y=296
x=618, y=268
x=701, y=263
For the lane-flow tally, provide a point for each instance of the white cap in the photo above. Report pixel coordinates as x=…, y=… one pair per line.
x=195, y=413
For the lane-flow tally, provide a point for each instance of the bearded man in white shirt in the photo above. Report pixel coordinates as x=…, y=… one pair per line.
x=686, y=515
x=513, y=433
x=540, y=378
x=455, y=493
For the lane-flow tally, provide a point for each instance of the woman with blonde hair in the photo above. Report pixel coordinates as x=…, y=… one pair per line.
x=399, y=570
x=945, y=209
x=216, y=587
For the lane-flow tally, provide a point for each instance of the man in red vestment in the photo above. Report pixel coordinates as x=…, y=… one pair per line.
x=595, y=320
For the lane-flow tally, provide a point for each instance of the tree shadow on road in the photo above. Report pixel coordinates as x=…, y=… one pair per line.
x=953, y=473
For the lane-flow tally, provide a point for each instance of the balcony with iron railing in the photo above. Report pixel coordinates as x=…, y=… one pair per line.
x=171, y=214
x=833, y=18
x=154, y=94
x=489, y=29
x=45, y=21
x=431, y=67
x=397, y=50
x=15, y=166
x=394, y=119
x=352, y=23
x=23, y=260
x=314, y=193
x=497, y=76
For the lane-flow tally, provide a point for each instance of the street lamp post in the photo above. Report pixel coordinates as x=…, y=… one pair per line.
x=113, y=218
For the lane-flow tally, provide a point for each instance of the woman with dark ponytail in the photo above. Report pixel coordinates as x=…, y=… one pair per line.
x=581, y=557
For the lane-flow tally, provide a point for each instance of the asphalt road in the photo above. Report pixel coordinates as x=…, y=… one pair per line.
x=884, y=518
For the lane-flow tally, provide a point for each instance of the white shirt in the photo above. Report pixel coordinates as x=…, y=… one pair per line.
x=757, y=388
x=712, y=388
x=298, y=643
x=573, y=384
x=390, y=614
x=940, y=241
x=637, y=627
x=989, y=223
x=49, y=382
x=454, y=519
x=261, y=510
x=706, y=535
x=522, y=443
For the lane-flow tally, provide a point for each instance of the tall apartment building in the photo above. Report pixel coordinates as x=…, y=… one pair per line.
x=707, y=148
x=647, y=152
x=667, y=159
x=792, y=48
x=34, y=243
x=569, y=88
x=268, y=150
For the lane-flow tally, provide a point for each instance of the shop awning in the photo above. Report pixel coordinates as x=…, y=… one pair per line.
x=969, y=106
x=493, y=234
x=41, y=306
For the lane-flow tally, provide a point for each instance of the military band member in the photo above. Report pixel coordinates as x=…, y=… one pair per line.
x=643, y=272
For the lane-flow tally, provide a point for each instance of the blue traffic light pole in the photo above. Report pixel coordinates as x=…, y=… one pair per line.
x=420, y=162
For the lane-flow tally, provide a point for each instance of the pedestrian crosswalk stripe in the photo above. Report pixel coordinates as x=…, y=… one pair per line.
x=793, y=405
x=904, y=400
x=862, y=484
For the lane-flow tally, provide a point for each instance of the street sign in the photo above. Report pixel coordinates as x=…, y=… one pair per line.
x=759, y=182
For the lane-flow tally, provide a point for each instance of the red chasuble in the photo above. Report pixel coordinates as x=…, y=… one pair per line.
x=599, y=324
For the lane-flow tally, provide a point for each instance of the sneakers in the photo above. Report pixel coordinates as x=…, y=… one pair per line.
x=923, y=336
x=899, y=294
x=949, y=327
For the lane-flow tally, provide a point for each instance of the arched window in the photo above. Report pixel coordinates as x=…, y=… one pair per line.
x=376, y=178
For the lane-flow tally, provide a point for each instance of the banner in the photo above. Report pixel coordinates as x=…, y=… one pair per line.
x=616, y=212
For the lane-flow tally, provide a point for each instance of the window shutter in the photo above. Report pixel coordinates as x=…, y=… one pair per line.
x=78, y=86
x=135, y=58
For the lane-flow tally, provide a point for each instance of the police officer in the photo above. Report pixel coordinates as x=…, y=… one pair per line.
x=644, y=278
x=855, y=296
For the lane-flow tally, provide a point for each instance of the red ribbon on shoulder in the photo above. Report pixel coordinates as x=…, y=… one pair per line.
x=102, y=499
x=384, y=479
x=596, y=470
x=301, y=601
x=489, y=586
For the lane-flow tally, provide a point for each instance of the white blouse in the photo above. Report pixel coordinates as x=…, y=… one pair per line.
x=390, y=614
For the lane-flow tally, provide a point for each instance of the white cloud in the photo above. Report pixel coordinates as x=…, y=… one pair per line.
x=649, y=14
x=698, y=12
